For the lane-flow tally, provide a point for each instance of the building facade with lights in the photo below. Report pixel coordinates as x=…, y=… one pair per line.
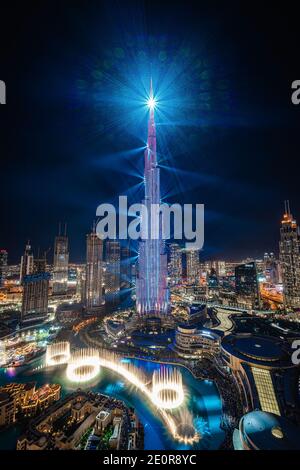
x=76, y=414
x=26, y=266
x=61, y=264
x=175, y=264
x=191, y=342
x=94, y=273
x=289, y=249
x=246, y=285
x=152, y=296
x=192, y=267
x=3, y=266
x=263, y=371
x=113, y=272
x=35, y=296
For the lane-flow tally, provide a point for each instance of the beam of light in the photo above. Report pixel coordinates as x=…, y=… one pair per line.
x=192, y=88
x=128, y=261
x=57, y=353
x=151, y=103
x=83, y=365
x=133, y=191
x=116, y=161
x=167, y=389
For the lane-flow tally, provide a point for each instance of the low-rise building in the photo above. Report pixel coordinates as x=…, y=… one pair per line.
x=260, y=430
x=7, y=409
x=191, y=341
x=263, y=371
x=78, y=422
x=29, y=400
x=115, y=438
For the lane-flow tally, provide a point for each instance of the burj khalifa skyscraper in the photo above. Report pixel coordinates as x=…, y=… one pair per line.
x=151, y=284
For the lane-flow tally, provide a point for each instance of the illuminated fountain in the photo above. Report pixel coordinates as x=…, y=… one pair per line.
x=185, y=428
x=167, y=389
x=57, y=353
x=181, y=429
x=115, y=362
x=165, y=394
x=83, y=365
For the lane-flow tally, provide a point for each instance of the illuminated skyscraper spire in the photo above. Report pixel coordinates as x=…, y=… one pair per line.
x=151, y=284
x=289, y=256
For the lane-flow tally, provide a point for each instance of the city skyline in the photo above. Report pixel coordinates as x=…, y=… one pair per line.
x=150, y=150
x=16, y=257
x=234, y=147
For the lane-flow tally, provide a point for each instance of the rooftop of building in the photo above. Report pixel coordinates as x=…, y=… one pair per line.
x=17, y=387
x=4, y=398
x=258, y=350
x=266, y=326
x=194, y=329
x=268, y=431
x=69, y=307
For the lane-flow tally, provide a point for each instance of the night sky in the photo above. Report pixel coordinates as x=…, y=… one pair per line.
x=74, y=126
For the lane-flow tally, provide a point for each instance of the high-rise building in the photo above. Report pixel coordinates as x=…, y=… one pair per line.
x=39, y=264
x=61, y=263
x=271, y=268
x=126, y=268
x=113, y=271
x=94, y=273
x=192, y=266
x=3, y=266
x=26, y=266
x=152, y=294
x=289, y=249
x=35, y=292
x=246, y=284
x=126, y=276
x=81, y=285
x=175, y=264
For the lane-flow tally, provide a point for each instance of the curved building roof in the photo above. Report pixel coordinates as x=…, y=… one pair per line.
x=258, y=350
x=263, y=348
x=267, y=431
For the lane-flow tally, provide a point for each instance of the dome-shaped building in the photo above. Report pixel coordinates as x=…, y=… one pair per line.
x=259, y=430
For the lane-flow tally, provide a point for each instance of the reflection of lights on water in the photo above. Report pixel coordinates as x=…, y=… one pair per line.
x=11, y=371
x=208, y=382
x=113, y=388
x=201, y=425
x=125, y=360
